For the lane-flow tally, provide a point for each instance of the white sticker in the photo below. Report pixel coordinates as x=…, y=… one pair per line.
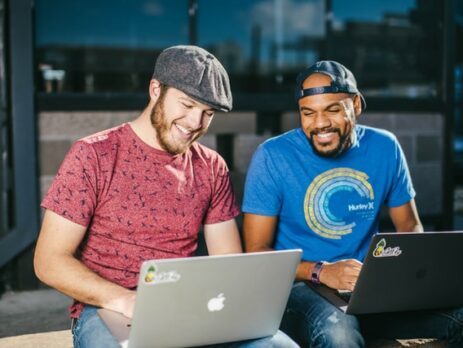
x=153, y=276
x=382, y=251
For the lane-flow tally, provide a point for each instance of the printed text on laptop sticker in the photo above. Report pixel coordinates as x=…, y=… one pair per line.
x=153, y=276
x=382, y=251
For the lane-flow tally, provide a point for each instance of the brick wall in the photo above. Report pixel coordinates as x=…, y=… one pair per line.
x=421, y=136
x=58, y=130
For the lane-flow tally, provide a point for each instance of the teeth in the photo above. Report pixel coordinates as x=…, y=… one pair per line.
x=324, y=135
x=182, y=129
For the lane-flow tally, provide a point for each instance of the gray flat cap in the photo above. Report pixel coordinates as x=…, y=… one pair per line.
x=196, y=72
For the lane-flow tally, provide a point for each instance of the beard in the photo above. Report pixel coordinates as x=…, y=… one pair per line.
x=343, y=144
x=163, y=130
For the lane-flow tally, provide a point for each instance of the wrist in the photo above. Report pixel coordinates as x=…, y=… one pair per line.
x=314, y=275
x=122, y=302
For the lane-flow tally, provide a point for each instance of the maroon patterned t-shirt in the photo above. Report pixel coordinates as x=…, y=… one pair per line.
x=137, y=202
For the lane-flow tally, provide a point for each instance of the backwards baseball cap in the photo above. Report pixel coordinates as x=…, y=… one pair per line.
x=196, y=72
x=342, y=80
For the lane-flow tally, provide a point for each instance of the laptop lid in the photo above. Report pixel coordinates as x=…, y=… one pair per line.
x=205, y=300
x=410, y=271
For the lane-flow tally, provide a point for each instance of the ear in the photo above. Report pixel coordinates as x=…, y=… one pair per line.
x=357, y=105
x=154, y=90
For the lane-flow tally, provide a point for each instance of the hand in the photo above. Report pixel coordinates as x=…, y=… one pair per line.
x=123, y=303
x=128, y=304
x=341, y=275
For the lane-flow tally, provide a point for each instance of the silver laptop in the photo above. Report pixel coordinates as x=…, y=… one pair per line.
x=205, y=300
x=404, y=272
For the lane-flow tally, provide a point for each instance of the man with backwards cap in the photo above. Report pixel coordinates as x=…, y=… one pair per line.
x=141, y=191
x=320, y=188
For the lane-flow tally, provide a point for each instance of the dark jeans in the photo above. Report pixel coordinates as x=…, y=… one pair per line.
x=314, y=322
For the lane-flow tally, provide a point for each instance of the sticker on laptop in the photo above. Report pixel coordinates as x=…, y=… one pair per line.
x=153, y=276
x=382, y=251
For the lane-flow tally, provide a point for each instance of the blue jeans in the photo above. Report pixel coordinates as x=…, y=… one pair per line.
x=314, y=322
x=89, y=331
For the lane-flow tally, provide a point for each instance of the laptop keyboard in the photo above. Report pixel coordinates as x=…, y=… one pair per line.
x=345, y=295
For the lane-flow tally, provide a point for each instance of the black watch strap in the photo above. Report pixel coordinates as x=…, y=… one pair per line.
x=315, y=274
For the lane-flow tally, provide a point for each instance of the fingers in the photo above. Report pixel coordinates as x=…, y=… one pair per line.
x=352, y=263
x=349, y=283
x=342, y=274
x=351, y=266
x=351, y=273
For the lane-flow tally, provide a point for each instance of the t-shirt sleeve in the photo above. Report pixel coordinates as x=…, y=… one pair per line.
x=402, y=190
x=262, y=194
x=73, y=192
x=223, y=206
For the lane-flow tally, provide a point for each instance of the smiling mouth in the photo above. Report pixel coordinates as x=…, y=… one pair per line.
x=325, y=135
x=324, y=138
x=183, y=131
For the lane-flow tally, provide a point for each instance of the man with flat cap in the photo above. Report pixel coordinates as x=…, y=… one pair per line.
x=320, y=188
x=141, y=191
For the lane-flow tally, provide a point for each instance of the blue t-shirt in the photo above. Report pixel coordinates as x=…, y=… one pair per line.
x=329, y=207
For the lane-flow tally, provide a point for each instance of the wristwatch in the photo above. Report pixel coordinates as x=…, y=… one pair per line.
x=315, y=274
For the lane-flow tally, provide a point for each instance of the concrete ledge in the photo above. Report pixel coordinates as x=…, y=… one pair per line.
x=63, y=339
x=54, y=339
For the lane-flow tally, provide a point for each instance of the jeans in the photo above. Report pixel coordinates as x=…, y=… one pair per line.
x=314, y=322
x=89, y=331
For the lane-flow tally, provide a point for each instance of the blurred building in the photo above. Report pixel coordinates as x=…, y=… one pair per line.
x=68, y=69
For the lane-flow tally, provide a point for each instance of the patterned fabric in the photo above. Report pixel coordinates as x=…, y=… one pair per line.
x=137, y=202
x=329, y=207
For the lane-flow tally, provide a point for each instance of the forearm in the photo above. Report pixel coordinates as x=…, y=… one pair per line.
x=304, y=270
x=405, y=218
x=258, y=248
x=69, y=276
x=412, y=227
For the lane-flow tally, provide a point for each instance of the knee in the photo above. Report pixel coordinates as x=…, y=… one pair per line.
x=340, y=337
x=281, y=340
x=455, y=330
x=338, y=330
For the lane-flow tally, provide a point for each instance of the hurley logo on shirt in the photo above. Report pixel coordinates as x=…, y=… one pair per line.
x=357, y=207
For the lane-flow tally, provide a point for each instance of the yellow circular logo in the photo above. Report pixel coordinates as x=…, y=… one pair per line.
x=320, y=212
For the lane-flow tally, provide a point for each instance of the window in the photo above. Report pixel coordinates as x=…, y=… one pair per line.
x=90, y=46
x=390, y=46
x=263, y=43
x=108, y=47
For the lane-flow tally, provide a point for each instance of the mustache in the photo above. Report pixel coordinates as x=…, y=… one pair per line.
x=325, y=130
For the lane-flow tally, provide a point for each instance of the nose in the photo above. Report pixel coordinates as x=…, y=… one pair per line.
x=321, y=121
x=195, y=119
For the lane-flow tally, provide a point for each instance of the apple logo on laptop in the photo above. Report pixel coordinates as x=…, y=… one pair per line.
x=216, y=303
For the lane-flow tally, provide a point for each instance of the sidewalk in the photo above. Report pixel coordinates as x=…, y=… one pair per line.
x=34, y=319
x=35, y=311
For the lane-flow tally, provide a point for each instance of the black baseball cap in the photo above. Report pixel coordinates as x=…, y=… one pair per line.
x=342, y=80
